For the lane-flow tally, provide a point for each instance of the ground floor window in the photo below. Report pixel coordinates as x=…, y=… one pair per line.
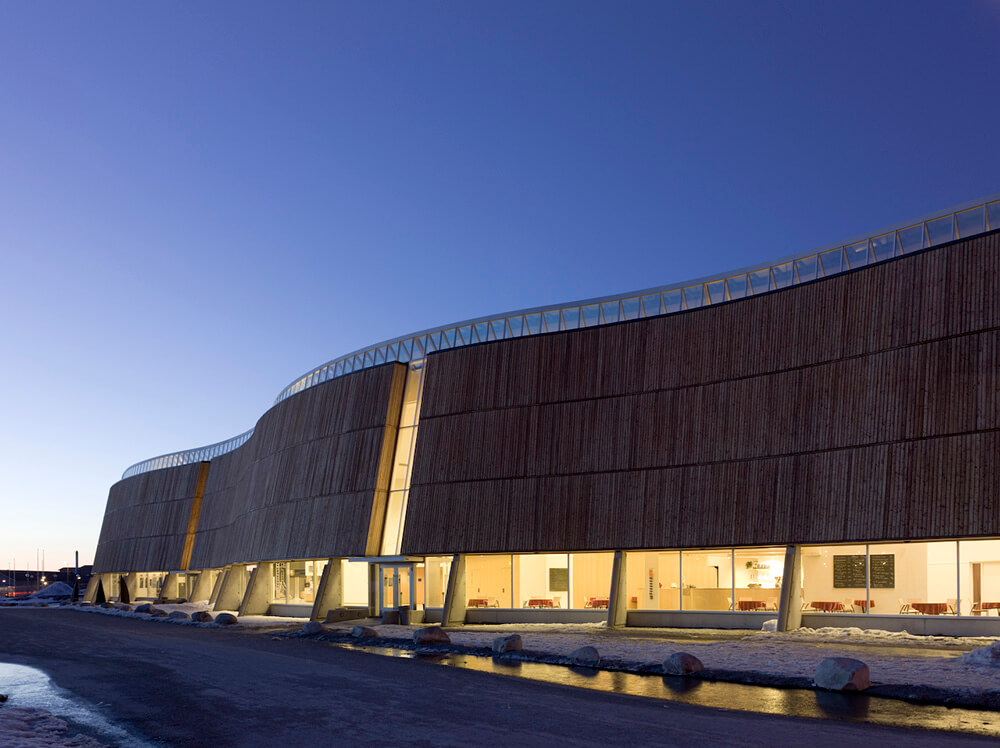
x=356, y=584
x=744, y=579
x=433, y=575
x=296, y=582
x=917, y=578
x=148, y=583
x=539, y=580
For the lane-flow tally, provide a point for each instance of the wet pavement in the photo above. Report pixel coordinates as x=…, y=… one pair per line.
x=789, y=702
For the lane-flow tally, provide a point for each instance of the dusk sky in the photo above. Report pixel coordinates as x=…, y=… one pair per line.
x=201, y=201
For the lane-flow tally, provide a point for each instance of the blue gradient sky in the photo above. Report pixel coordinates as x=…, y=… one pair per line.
x=197, y=204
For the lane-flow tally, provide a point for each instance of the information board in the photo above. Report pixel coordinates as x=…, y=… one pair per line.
x=883, y=573
x=559, y=579
x=849, y=571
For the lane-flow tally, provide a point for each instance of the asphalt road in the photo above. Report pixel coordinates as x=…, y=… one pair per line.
x=189, y=686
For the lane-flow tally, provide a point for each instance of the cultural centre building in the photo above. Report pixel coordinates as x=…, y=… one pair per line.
x=815, y=440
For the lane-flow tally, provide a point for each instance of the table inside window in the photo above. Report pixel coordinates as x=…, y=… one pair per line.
x=540, y=602
x=479, y=602
x=598, y=602
x=930, y=609
x=751, y=604
x=827, y=606
x=864, y=605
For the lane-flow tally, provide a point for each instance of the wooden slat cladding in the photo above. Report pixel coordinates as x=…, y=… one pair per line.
x=311, y=481
x=860, y=407
x=146, y=521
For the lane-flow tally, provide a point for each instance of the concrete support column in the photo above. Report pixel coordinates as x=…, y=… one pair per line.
x=132, y=583
x=257, y=599
x=330, y=593
x=618, y=597
x=90, y=595
x=200, y=586
x=220, y=577
x=168, y=588
x=455, y=599
x=231, y=589
x=790, y=602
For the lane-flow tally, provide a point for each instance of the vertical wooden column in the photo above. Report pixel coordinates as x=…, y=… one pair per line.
x=455, y=599
x=618, y=596
x=330, y=593
x=790, y=602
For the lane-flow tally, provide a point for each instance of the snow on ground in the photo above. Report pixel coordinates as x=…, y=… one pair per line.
x=958, y=664
x=24, y=727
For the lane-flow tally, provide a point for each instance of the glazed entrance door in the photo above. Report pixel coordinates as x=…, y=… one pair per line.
x=396, y=587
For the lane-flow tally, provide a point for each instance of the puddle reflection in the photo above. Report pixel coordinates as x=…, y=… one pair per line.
x=792, y=702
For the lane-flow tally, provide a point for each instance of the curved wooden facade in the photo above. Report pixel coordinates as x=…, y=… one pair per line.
x=311, y=482
x=147, y=520
x=856, y=408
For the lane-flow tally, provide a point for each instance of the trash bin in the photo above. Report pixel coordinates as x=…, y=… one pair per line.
x=404, y=615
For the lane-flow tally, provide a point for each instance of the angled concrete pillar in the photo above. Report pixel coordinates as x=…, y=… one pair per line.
x=790, y=602
x=257, y=599
x=330, y=593
x=232, y=590
x=217, y=585
x=168, y=588
x=200, y=586
x=455, y=599
x=90, y=595
x=618, y=597
x=131, y=582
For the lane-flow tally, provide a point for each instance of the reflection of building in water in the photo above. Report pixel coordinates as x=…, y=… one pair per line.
x=812, y=439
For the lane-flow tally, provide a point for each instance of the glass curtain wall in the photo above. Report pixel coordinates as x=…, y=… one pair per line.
x=538, y=580
x=745, y=579
x=406, y=440
x=921, y=578
x=296, y=582
x=435, y=572
x=148, y=583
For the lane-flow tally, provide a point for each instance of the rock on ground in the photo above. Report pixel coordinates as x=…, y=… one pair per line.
x=364, y=632
x=226, y=619
x=431, y=635
x=585, y=656
x=201, y=616
x=179, y=615
x=682, y=663
x=510, y=643
x=311, y=628
x=842, y=674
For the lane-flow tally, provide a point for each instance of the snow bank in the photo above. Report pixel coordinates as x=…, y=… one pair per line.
x=23, y=727
x=984, y=656
x=54, y=590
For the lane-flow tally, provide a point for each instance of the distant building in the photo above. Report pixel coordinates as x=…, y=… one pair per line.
x=813, y=439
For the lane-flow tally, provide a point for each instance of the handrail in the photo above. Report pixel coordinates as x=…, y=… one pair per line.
x=958, y=222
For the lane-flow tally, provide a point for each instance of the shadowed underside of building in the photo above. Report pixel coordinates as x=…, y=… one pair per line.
x=824, y=451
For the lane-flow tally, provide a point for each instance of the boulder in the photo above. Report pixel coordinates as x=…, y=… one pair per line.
x=179, y=615
x=311, y=628
x=771, y=625
x=431, y=635
x=682, y=663
x=144, y=608
x=585, y=656
x=158, y=613
x=226, y=619
x=510, y=643
x=842, y=674
x=201, y=616
x=123, y=606
x=364, y=632
x=107, y=605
